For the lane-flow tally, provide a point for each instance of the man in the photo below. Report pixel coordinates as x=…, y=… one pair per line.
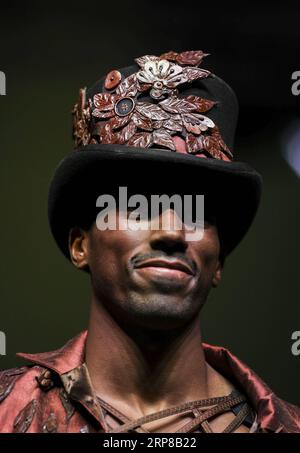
x=162, y=126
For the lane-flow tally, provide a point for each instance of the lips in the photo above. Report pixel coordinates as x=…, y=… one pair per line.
x=166, y=264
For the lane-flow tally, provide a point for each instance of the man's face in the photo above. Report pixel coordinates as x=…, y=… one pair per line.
x=153, y=279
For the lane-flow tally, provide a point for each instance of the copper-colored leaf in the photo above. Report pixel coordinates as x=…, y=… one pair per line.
x=24, y=418
x=141, y=140
x=195, y=73
x=50, y=425
x=81, y=119
x=7, y=381
x=128, y=87
x=217, y=135
x=151, y=111
x=212, y=146
x=192, y=57
x=202, y=105
x=163, y=138
x=171, y=56
x=142, y=60
x=177, y=105
x=173, y=125
x=98, y=114
x=196, y=123
x=126, y=133
x=143, y=86
x=82, y=99
x=104, y=101
x=119, y=121
x=194, y=144
x=142, y=122
x=105, y=133
x=157, y=124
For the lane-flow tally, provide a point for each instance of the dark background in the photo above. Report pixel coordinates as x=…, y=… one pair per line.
x=47, y=52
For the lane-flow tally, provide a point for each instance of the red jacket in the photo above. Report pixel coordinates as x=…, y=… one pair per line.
x=54, y=393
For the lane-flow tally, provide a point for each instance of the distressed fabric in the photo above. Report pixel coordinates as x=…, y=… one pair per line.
x=54, y=393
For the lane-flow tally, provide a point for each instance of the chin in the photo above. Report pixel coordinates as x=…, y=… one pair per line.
x=160, y=311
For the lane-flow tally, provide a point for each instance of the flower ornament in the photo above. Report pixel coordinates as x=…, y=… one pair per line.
x=162, y=75
x=165, y=75
x=117, y=116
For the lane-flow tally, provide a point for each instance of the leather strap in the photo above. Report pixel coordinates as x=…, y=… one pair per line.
x=202, y=410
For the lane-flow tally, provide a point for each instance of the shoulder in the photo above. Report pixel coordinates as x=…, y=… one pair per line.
x=292, y=409
x=19, y=387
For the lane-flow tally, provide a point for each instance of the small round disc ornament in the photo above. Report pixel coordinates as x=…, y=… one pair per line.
x=124, y=106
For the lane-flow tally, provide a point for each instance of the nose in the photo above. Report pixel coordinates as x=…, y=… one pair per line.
x=169, y=236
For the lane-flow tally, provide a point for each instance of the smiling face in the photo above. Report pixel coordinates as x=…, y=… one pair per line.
x=153, y=279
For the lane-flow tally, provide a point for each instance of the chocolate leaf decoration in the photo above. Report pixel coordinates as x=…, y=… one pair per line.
x=212, y=146
x=97, y=113
x=222, y=144
x=143, y=86
x=119, y=121
x=105, y=133
x=81, y=119
x=157, y=124
x=141, y=122
x=142, y=60
x=196, y=123
x=173, y=125
x=202, y=105
x=141, y=140
x=104, y=101
x=163, y=138
x=24, y=418
x=127, y=132
x=128, y=87
x=195, y=73
x=50, y=425
x=171, y=56
x=191, y=57
x=82, y=100
x=151, y=111
x=6, y=385
x=175, y=105
x=194, y=144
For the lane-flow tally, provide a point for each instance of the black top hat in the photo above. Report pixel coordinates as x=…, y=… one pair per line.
x=162, y=116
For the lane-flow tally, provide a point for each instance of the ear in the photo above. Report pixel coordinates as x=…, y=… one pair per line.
x=78, y=249
x=218, y=273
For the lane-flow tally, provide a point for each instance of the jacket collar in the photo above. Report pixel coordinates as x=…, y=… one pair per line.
x=273, y=414
x=68, y=362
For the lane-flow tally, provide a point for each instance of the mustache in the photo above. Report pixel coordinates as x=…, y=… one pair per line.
x=137, y=259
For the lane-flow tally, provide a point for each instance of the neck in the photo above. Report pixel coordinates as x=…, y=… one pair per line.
x=147, y=371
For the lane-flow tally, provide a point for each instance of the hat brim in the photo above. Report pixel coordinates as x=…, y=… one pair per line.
x=86, y=173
